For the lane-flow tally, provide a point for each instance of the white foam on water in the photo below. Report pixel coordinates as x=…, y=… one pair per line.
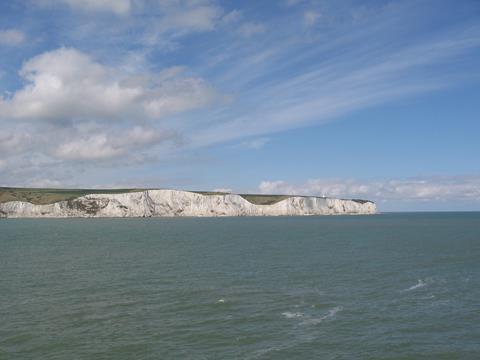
x=418, y=285
x=220, y=301
x=292, y=315
x=315, y=321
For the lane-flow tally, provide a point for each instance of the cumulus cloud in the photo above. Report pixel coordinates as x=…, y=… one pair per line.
x=107, y=145
x=417, y=189
x=276, y=187
x=11, y=37
x=13, y=141
x=67, y=85
x=75, y=109
x=118, y=7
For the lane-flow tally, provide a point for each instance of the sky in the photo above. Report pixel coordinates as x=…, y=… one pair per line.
x=371, y=99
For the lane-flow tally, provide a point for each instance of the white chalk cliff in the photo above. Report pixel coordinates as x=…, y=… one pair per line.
x=154, y=203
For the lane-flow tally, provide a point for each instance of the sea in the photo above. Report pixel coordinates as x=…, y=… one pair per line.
x=387, y=286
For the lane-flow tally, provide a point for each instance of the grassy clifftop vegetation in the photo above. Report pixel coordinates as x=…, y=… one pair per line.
x=257, y=199
x=50, y=196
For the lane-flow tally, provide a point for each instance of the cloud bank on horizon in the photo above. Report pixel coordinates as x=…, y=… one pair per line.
x=204, y=93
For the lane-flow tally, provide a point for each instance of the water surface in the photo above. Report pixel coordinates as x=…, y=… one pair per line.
x=392, y=286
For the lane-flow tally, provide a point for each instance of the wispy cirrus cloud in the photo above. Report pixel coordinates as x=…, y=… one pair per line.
x=310, y=17
x=118, y=7
x=250, y=28
x=255, y=144
x=177, y=19
x=11, y=37
x=337, y=86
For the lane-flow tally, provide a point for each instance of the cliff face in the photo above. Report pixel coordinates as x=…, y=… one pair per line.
x=181, y=203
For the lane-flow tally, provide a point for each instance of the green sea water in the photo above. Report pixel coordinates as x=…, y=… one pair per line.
x=390, y=286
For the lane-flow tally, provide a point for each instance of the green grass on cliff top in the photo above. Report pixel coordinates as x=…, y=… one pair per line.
x=50, y=196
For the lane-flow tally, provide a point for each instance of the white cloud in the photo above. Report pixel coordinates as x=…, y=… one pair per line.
x=13, y=141
x=275, y=187
x=249, y=29
x=107, y=145
x=335, y=86
x=182, y=17
x=11, y=37
x=73, y=109
x=178, y=96
x=95, y=147
x=66, y=85
x=232, y=17
x=223, y=190
x=200, y=18
x=417, y=189
x=310, y=17
x=44, y=183
x=118, y=7
x=255, y=144
x=292, y=2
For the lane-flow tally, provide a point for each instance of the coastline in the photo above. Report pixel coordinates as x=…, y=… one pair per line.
x=176, y=203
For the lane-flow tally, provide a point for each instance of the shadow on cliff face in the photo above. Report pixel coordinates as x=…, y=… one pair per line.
x=90, y=207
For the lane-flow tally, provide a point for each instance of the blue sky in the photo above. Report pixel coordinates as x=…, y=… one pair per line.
x=363, y=99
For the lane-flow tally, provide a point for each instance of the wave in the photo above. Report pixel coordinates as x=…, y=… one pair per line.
x=315, y=321
x=418, y=285
x=292, y=315
x=309, y=320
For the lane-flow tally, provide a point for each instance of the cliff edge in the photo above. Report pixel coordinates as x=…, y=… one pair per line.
x=156, y=203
